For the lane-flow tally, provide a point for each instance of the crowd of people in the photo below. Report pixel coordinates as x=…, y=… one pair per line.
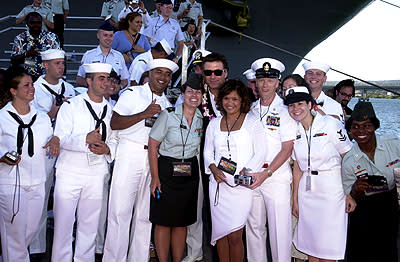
x=271, y=162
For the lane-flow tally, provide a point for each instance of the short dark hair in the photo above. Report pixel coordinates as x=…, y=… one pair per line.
x=238, y=86
x=215, y=57
x=32, y=14
x=297, y=78
x=13, y=76
x=346, y=82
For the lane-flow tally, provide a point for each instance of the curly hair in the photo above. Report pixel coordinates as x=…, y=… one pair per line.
x=124, y=22
x=240, y=88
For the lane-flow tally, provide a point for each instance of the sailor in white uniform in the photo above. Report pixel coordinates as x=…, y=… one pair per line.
x=133, y=117
x=135, y=6
x=318, y=197
x=139, y=64
x=315, y=76
x=271, y=194
x=50, y=92
x=26, y=131
x=83, y=126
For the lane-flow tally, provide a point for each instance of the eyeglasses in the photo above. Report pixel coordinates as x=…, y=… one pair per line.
x=346, y=95
x=217, y=72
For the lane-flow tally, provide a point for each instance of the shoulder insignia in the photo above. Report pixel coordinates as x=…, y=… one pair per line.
x=170, y=109
x=341, y=136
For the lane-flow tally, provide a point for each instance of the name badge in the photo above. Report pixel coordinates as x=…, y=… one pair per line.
x=94, y=159
x=149, y=122
x=182, y=168
x=227, y=166
x=308, y=182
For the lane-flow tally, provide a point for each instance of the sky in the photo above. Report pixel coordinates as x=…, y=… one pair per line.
x=366, y=47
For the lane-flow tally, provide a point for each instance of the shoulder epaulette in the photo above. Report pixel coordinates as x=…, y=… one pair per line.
x=170, y=109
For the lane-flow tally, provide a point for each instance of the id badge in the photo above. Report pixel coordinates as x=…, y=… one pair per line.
x=308, y=181
x=227, y=166
x=182, y=168
x=149, y=122
x=94, y=159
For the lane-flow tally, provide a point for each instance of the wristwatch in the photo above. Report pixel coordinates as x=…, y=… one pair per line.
x=269, y=172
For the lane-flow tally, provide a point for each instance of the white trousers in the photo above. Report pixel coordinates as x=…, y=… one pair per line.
x=80, y=194
x=16, y=237
x=101, y=230
x=194, y=239
x=272, y=201
x=130, y=189
x=38, y=244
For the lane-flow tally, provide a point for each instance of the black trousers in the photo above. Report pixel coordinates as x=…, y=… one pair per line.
x=373, y=228
x=59, y=27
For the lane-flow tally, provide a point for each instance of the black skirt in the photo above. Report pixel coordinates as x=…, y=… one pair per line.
x=177, y=206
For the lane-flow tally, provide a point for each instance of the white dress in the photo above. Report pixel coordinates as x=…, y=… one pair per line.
x=322, y=226
x=231, y=205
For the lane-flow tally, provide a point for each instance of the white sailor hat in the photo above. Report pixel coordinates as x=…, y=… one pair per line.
x=167, y=48
x=162, y=63
x=97, y=68
x=51, y=54
x=316, y=65
x=250, y=74
x=133, y=2
x=267, y=67
x=297, y=94
x=198, y=56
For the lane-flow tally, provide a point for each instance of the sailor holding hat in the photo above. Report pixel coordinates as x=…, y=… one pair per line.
x=83, y=126
x=315, y=76
x=50, y=92
x=271, y=194
x=130, y=185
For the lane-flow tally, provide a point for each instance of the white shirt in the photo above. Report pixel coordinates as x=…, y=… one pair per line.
x=135, y=100
x=44, y=99
x=279, y=127
x=245, y=147
x=330, y=107
x=195, y=11
x=139, y=66
x=214, y=104
x=74, y=122
x=328, y=140
x=33, y=169
x=113, y=58
x=158, y=29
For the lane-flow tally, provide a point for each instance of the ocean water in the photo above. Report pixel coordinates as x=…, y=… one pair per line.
x=388, y=113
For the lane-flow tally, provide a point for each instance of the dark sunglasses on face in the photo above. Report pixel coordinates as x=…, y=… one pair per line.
x=217, y=72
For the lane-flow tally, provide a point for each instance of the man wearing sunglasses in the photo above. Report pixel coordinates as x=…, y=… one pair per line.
x=343, y=92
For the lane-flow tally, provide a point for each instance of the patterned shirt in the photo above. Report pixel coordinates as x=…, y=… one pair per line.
x=25, y=41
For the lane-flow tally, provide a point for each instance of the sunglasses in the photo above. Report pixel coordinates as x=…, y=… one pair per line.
x=217, y=72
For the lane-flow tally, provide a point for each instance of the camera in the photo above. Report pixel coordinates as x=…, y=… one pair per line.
x=12, y=156
x=59, y=101
x=243, y=180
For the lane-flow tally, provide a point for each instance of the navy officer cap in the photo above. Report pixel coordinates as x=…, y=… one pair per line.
x=106, y=26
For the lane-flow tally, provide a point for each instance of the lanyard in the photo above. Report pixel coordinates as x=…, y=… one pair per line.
x=229, y=132
x=157, y=27
x=181, y=126
x=262, y=116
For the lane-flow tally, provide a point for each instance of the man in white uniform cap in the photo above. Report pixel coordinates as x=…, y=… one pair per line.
x=251, y=82
x=315, y=76
x=133, y=117
x=50, y=92
x=271, y=194
x=139, y=64
x=83, y=126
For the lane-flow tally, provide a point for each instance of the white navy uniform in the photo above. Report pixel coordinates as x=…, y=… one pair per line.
x=196, y=10
x=79, y=183
x=43, y=101
x=322, y=226
x=271, y=200
x=139, y=66
x=330, y=106
x=130, y=185
x=16, y=237
x=158, y=29
x=113, y=58
x=231, y=206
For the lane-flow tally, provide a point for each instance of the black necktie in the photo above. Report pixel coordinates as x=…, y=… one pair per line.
x=99, y=121
x=20, y=135
x=320, y=103
x=58, y=96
